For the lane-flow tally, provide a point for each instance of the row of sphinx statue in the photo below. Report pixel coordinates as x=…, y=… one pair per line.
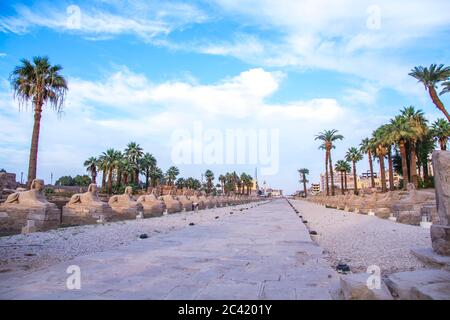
x=86, y=208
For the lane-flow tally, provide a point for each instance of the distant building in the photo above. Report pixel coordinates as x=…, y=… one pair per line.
x=363, y=181
x=314, y=189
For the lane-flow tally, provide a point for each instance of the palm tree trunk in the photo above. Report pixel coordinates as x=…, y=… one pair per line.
x=137, y=177
x=94, y=176
x=345, y=178
x=326, y=173
x=32, y=164
x=304, y=184
x=331, y=174
x=119, y=179
x=110, y=180
x=104, y=179
x=372, y=179
x=147, y=175
x=443, y=143
x=342, y=182
x=382, y=173
x=404, y=164
x=437, y=102
x=391, y=170
x=412, y=164
x=355, y=178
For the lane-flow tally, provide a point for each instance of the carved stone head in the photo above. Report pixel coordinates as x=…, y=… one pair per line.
x=37, y=184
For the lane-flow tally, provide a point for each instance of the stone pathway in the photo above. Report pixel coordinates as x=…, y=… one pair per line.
x=261, y=253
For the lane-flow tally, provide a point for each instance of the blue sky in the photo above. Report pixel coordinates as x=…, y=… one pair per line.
x=138, y=70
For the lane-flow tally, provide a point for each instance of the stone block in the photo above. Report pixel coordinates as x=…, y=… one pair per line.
x=354, y=287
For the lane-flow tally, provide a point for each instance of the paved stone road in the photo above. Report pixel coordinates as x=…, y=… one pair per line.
x=261, y=253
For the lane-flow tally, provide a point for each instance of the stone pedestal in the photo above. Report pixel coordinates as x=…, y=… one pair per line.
x=80, y=215
x=440, y=233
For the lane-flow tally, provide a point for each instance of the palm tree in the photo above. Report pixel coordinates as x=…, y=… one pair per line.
x=91, y=167
x=418, y=125
x=103, y=166
x=378, y=145
x=354, y=155
x=134, y=153
x=340, y=167
x=347, y=167
x=222, y=180
x=303, y=180
x=171, y=175
x=209, y=180
x=110, y=158
x=400, y=132
x=42, y=84
x=364, y=147
x=156, y=175
x=440, y=130
x=430, y=78
x=329, y=137
x=146, y=163
x=180, y=183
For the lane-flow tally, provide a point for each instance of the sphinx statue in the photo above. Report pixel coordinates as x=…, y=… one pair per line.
x=152, y=206
x=206, y=201
x=186, y=203
x=407, y=210
x=172, y=204
x=198, y=203
x=125, y=205
x=86, y=208
x=29, y=205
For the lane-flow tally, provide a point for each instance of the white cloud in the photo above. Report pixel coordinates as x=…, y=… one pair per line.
x=144, y=19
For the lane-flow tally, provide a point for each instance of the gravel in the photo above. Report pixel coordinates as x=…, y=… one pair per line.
x=41, y=249
x=361, y=241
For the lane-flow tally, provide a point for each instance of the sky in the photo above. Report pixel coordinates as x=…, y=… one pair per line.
x=182, y=77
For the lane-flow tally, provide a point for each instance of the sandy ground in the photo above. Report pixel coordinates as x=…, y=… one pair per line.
x=41, y=249
x=361, y=240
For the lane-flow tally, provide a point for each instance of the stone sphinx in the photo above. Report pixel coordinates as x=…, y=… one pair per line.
x=125, y=206
x=31, y=205
x=186, y=203
x=198, y=203
x=207, y=201
x=407, y=210
x=86, y=208
x=172, y=204
x=152, y=206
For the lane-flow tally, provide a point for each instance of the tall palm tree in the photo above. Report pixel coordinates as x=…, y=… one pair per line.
x=156, y=175
x=171, y=175
x=378, y=145
x=347, y=167
x=91, y=167
x=103, y=166
x=110, y=158
x=134, y=153
x=42, y=84
x=364, y=147
x=430, y=78
x=209, y=180
x=303, y=172
x=401, y=133
x=328, y=137
x=340, y=167
x=222, y=180
x=147, y=162
x=354, y=155
x=418, y=124
x=440, y=130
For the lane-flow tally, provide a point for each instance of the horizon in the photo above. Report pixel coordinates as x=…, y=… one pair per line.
x=140, y=71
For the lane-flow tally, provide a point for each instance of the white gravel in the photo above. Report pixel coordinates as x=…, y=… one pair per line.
x=361, y=241
x=41, y=249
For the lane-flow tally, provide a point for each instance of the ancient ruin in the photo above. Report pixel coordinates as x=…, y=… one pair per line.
x=30, y=205
x=125, y=206
x=86, y=208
